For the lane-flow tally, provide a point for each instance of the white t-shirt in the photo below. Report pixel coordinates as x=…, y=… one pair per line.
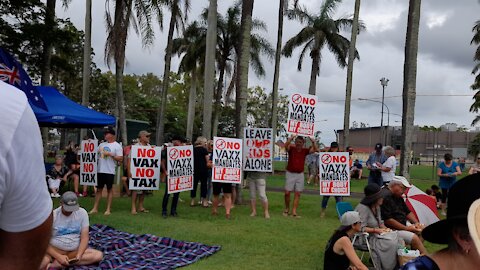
x=66, y=229
x=391, y=163
x=24, y=198
x=106, y=164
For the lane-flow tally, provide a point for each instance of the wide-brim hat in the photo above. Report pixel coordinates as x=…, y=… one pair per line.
x=474, y=223
x=372, y=192
x=460, y=197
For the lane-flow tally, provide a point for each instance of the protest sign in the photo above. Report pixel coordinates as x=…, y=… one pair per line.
x=334, y=174
x=145, y=167
x=88, y=162
x=227, y=160
x=180, y=168
x=302, y=114
x=258, y=150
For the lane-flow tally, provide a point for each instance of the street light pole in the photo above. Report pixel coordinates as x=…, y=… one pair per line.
x=382, y=138
x=384, y=83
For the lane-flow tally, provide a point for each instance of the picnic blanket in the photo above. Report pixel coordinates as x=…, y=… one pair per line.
x=124, y=250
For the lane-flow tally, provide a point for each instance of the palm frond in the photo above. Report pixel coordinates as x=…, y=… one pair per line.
x=300, y=14
x=339, y=46
x=308, y=46
x=328, y=7
x=303, y=36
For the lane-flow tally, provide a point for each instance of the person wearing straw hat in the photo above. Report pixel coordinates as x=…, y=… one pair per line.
x=69, y=242
x=454, y=231
x=339, y=252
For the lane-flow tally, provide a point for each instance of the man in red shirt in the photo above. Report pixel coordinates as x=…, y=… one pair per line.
x=294, y=177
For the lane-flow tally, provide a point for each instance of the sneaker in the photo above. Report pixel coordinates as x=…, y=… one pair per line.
x=52, y=195
x=443, y=213
x=210, y=202
x=80, y=194
x=57, y=195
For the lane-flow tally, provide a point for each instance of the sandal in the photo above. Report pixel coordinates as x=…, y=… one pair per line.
x=143, y=211
x=285, y=213
x=296, y=216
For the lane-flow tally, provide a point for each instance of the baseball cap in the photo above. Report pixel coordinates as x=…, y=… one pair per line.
x=69, y=201
x=178, y=138
x=402, y=180
x=109, y=129
x=334, y=144
x=349, y=218
x=143, y=132
x=378, y=146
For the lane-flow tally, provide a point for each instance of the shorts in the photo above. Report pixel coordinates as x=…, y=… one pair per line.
x=105, y=179
x=219, y=187
x=406, y=236
x=54, y=183
x=294, y=181
x=312, y=169
x=125, y=172
x=257, y=186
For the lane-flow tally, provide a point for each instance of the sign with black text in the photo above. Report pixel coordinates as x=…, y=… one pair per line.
x=302, y=114
x=334, y=174
x=88, y=162
x=180, y=168
x=145, y=167
x=227, y=160
x=258, y=150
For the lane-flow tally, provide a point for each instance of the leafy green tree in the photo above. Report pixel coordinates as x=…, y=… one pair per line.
x=320, y=30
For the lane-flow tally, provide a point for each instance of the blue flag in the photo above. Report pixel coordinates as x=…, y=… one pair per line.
x=12, y=72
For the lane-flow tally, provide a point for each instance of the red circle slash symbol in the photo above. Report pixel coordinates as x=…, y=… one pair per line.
x=220, y=144
x=297, y=99
x=173, y=154
x=326, y=158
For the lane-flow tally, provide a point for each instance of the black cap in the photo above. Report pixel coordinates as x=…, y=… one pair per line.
x=178, y=138
x=109, y=129
x=378, y=146
x=334, y=145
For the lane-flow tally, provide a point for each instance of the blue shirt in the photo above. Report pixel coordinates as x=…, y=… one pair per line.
x=447, y=182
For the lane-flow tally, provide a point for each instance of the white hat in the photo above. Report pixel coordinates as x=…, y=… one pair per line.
x=349, y=218
x=402, y=180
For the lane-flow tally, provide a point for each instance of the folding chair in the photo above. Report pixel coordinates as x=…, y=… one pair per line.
x=343, y=207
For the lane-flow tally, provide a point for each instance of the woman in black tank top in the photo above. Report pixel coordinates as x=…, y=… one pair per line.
x=339, y=252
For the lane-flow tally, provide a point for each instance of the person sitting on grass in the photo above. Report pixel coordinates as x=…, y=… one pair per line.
x=69, y=243
x=438, y=195
x=339, y=252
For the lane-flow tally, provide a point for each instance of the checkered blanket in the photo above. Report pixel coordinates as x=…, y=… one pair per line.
x=123, y=250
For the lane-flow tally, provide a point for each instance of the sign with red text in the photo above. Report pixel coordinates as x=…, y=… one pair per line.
x=227, y=160
x=302, y=114
x=334, y=173
x=88, y=162
x=180, y=168
x=145, y=167
x=258, y=150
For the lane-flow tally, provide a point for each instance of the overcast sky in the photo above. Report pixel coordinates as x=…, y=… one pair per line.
x=444, y=59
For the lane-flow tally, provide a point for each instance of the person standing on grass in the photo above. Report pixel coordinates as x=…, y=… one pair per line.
x=447, y=171
x=110, y=153
x=138, y=196
x=200, y=171
x=375, y=175
x=333, y=148
x=294, y=176
x=312, y=165
x=177, y=140
x=257, y=185
x=388, y=168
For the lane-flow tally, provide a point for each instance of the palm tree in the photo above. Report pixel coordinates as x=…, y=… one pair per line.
x=209, y=75
x=87, y=51
x=191, y=46
x=320, y=30
x=177, y=21
x=476, y=84
x=348, y=91
x=228, y=42
x=117, y=40
x=409, y=84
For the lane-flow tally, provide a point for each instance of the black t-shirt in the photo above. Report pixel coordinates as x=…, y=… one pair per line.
x=332, y=260
x=199, y=161
x=394, y=207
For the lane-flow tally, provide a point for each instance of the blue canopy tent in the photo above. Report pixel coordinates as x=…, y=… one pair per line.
x=63, y=112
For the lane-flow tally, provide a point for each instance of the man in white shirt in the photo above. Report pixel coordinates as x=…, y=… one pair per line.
x=110, y=153
x=69, y=242
x=25, y=204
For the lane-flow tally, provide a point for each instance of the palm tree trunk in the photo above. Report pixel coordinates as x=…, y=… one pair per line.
x=276, y=72
x=209, y=69
x=218, y=98
x=191, y=105
x=47, y=44
x=315, y=71
x=409, y=84
x=348, y=91
x=87, y=48
x=121, y=101
x=243, y=63
x=166, y=81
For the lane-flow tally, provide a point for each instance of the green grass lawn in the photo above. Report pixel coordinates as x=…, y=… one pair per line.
x=247, y=242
